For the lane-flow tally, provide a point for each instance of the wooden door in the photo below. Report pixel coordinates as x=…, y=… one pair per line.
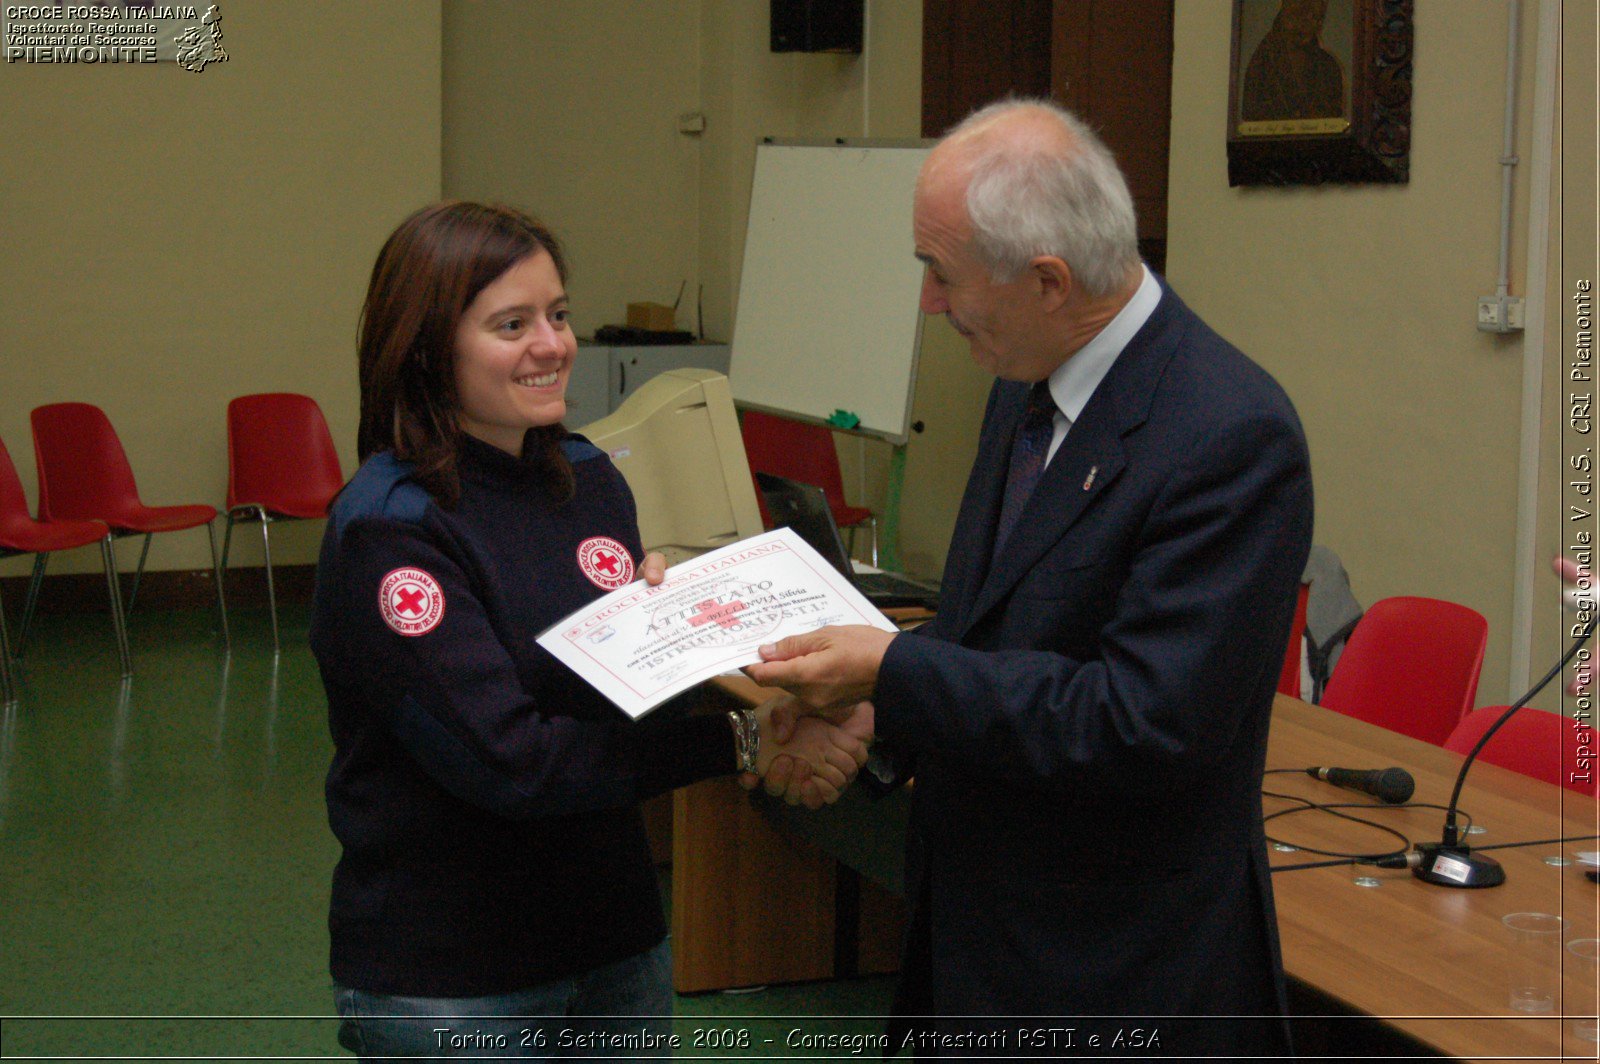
x=1110, y=61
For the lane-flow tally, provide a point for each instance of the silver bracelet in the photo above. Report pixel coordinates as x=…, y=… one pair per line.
x=746, y=738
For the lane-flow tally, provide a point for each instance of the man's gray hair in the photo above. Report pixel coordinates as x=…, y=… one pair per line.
x=1061, y=196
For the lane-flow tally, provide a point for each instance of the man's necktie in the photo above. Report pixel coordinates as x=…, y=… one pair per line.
x=1028, y=449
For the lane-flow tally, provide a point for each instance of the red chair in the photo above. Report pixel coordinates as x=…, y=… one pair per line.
x=21, y=534
x=84, y=475
x=1533, y=742
x=1412, y=666
x=805, y=453
x=282, y=466
x=1289, y=678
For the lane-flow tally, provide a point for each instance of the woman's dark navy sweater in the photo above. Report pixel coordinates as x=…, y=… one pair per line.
x=486, y=798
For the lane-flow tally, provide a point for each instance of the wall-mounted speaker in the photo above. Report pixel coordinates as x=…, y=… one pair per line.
x=817, y=25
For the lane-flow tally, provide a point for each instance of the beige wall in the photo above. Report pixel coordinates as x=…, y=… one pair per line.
x=571, y=111
x=174, y=239
x=1361, y=301
x=177, y=239
x=590, y=95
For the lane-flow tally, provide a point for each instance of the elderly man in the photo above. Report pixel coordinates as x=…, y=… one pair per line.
x=1087, y=717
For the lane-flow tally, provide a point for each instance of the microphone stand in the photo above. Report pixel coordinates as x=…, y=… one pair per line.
x=1451, y=862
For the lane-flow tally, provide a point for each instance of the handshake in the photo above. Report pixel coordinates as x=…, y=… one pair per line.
x=814, y=739
x=805, y=759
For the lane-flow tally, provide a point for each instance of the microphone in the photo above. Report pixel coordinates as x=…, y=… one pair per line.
x=1450, y=862
x=1392, y=785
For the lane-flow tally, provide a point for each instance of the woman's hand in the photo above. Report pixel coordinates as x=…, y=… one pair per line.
x=654, y=569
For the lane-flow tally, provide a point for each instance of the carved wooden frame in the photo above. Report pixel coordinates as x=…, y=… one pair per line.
x=1376, y=146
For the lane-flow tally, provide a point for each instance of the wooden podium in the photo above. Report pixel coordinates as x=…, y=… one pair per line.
x=753, y=903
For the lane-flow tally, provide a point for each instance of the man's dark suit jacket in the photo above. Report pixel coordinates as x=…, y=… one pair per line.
x=1088, y=714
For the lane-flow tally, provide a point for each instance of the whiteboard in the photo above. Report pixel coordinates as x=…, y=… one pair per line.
x=827, y=317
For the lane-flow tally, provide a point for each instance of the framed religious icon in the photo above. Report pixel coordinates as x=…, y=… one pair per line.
x=1320, y=91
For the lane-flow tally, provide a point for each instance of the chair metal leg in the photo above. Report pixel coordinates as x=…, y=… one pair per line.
x=8, y=690
x=227, y=538
x=139, y=572
x=119, y=620
x=272, y=595
x=216, y=574
x=39, y=562
x=222, y=569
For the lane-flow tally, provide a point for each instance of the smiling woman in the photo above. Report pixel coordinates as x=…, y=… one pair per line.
x=514, y=351
x=454, y=272
x=494, y=863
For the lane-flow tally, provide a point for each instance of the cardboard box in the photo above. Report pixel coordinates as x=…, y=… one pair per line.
x=657, y=317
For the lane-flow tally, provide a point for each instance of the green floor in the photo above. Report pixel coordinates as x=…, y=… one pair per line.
x=164, y=857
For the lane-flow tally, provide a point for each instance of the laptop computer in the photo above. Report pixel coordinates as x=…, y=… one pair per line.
x=805, y=509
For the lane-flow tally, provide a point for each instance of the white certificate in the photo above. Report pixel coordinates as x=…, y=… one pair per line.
x=641, y=645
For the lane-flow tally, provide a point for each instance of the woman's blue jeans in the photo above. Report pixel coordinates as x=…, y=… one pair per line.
x=618, y=1010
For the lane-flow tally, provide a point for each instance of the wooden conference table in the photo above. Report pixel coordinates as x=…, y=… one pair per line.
x=753, y=903
x=1431, y=961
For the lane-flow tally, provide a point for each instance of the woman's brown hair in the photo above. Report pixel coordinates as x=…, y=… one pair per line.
x=430, y=270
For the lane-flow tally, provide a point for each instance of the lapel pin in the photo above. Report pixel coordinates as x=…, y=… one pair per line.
x=1088, y=481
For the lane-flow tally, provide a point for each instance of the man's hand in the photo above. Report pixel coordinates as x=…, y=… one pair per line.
x=1580, y=597
x=654, y=569
x=832, y=668
x=1580, y=582
x=813, y=761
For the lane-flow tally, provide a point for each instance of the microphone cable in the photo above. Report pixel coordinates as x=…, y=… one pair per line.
x=1335, y=809
x=1404, y=857
x=1413, y=859
x=1393, y=858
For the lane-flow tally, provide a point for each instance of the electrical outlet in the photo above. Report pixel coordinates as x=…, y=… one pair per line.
x=1500, y=314
x=1489, y=314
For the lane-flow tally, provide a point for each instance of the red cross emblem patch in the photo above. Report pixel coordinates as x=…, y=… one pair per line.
x=605, y=562
x=410, y=601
